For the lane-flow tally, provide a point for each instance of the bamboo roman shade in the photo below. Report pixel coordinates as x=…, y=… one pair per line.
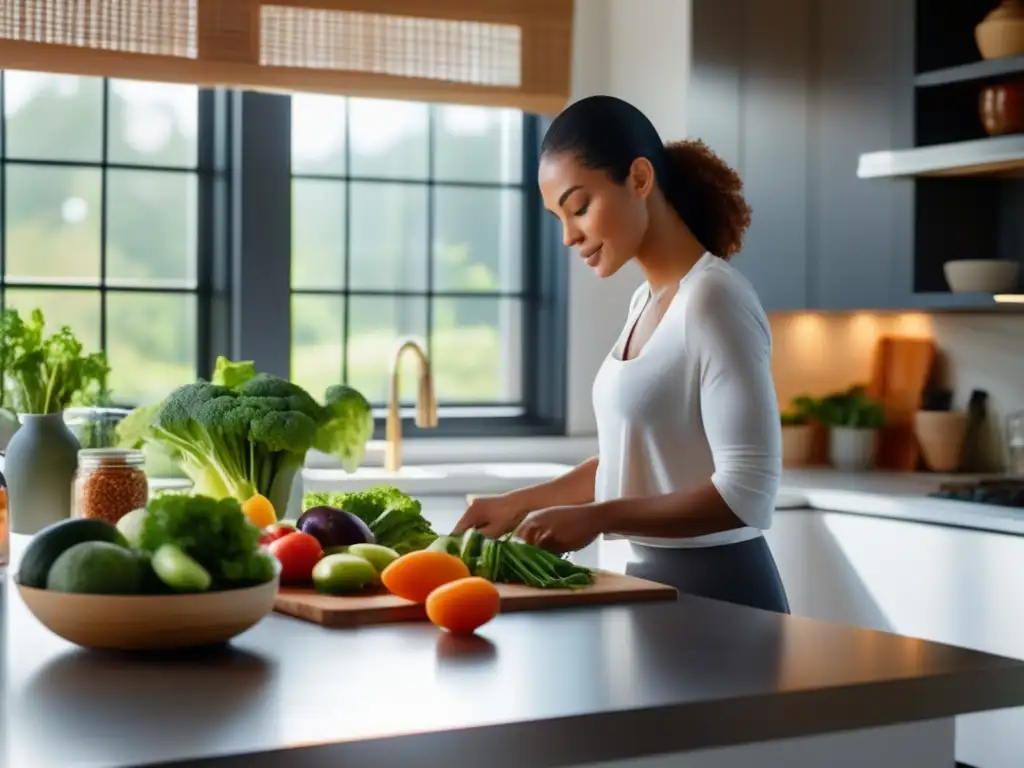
x=492, y=52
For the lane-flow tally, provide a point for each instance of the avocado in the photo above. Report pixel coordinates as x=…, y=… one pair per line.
x=51, y=542
x=96, y=568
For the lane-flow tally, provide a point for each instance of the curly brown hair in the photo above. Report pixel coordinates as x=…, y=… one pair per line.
x=607, y=134
x=708, y=195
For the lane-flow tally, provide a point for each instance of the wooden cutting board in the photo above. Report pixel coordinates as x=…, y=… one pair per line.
x=337, y=611
x=902, y=369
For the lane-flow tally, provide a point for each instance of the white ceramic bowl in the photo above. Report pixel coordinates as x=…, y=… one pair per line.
x=150, y=622
x=981, y=275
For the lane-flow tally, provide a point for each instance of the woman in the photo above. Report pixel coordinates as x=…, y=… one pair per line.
x=688, y=426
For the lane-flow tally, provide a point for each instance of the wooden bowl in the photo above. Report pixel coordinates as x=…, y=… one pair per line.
x=150, y=622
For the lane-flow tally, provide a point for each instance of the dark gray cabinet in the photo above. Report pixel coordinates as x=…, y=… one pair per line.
x=748, y=101
x=861, y=237
x=793, y=93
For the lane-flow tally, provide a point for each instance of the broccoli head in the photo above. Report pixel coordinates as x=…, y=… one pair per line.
x=232, y=444
x=214, y=532
x=236, y=441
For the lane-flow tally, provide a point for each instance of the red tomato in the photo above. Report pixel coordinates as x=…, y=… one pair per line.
x=298, y=553
x=274, y=532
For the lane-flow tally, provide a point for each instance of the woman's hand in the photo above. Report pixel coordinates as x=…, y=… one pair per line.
x=493, y=516
x=562, y=529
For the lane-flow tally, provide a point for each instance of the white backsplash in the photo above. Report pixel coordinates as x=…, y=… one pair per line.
x=819, y=353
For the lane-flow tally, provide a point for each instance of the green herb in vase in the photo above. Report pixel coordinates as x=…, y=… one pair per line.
x=43, y=375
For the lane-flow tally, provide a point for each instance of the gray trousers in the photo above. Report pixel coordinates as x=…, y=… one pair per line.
x=743, y=573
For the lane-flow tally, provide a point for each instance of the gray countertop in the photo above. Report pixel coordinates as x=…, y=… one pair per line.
x=898, y=496
x=541, y=689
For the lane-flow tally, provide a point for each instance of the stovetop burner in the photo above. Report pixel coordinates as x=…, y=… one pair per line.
x=1003, y=492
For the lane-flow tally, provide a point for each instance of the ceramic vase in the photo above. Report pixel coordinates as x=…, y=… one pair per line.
x=9, y=424
x=40, y=467
x=941, y=434
x=1001, y=32
x=1001, y=106
x=852, y=450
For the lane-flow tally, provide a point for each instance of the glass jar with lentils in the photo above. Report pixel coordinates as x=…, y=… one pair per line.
x=109, y=483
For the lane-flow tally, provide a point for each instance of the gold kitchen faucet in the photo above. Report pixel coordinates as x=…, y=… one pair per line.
x=426, y=403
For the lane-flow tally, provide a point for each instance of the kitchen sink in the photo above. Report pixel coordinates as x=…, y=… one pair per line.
x=438, y=479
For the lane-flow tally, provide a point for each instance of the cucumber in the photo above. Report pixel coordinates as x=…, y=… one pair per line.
x=179, y=571
x=471, y=545
x=449, y=544
x=52, y=541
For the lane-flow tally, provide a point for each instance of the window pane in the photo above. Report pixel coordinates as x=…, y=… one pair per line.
x=477, y=350
x=389, y=138
x=52, y=228
x=153, y=123
x=53, y=117
x=317, y=341
x=477, y=239
x=377, y=324
x=78, y=309
x=478, y=144
x=151, y=344
x=318, y=134
x=389, y=236
x=318, y=234
x=151, y=228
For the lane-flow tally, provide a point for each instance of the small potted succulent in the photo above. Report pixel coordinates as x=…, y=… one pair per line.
x=854, y=419
x=797, y=431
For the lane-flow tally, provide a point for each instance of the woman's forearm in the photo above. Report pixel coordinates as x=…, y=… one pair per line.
x=574, y=487
x=695, y=512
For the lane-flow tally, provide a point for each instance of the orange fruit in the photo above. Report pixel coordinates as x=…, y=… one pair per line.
x=259, y=511
x=415, y=575
x=464, y=605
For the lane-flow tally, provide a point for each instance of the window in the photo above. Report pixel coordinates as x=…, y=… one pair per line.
x=99, y=202
x=408, y=221
x=156, y=219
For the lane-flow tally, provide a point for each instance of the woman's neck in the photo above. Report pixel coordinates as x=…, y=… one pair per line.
x=669, y=249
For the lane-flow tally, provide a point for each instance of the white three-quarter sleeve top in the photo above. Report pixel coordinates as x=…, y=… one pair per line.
x=697, y=402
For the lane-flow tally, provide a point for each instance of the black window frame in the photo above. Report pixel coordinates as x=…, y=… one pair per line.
x=243, y=293
x=245, y=289
x=104, y=166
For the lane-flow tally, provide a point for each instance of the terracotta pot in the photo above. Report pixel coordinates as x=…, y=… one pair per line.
x=941, y=437
x=797, y=441
x=1001, y=32
x=1001, y=106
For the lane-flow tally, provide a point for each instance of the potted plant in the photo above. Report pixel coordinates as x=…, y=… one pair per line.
x=797, y=435
x=853, y=419
x=44, y=376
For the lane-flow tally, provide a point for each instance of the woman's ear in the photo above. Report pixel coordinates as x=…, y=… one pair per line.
x=641, y=177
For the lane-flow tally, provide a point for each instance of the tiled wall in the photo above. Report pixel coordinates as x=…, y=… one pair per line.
x=819, y=353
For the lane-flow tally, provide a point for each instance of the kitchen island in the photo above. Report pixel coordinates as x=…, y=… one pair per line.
x=554, y=688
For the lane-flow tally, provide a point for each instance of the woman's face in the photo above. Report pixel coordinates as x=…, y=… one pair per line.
x=605, y=222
